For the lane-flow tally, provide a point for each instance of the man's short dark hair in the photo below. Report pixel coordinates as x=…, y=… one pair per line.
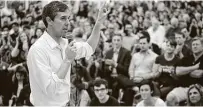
x=180, y=33
x=145, y=36
x=99, y=82
x=172, y=42
x=51, y=9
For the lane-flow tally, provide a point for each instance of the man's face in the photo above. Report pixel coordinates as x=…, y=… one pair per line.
x=196, y=46
x=100, y=91
x=116, y=41
x=60, y=23
x=179, y=39
x=144, y=45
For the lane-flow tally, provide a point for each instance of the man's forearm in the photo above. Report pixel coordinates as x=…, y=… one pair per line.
x=64, y=68
x=93, y=40
x=185, y=70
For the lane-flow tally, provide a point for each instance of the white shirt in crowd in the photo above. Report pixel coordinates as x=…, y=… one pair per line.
x=158, y=36
x=159, y=103
x=141, y=64
x=44, y=60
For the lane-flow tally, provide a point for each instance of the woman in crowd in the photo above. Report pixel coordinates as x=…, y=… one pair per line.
x=19, y=81
x=19, y=52
x=38, y=33
x=195, y=95
x=146, y=90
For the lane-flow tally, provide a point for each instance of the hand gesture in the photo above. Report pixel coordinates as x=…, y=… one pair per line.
x=17, y=40
x=103, y=12
x=71, y=51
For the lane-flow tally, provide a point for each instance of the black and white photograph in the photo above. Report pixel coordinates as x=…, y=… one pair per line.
x=85, y=53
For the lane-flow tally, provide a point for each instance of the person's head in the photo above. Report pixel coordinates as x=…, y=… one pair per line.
x=146, y=89
x=144, y=41
x=21, y=73
x=128, y=28
x=117, y=40
x=111, y=28
x=195, y=95
x=26, y=29
x=38, y=32
x=155, y=23
x=180, y=38
x=23, y=37
x=197, y=45
x=100, y=88
x=174, y=22
x=56, y=18
x=170, y=45
x=15, y=26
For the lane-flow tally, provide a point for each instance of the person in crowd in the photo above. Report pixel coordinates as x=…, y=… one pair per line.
x=38, y=33
x=195, y=95
x=182, y=49
x=146, y=89
x=163, y=68
x=117, y=61
x=189, y=71
x=102, y=97
x=20, y=51
x=156, y=32
x=19, y=81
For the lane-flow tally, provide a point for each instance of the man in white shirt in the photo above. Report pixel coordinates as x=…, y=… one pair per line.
x=49, y=59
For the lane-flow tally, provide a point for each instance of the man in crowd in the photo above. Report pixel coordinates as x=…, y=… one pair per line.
x=101, y=90
x=189, y=71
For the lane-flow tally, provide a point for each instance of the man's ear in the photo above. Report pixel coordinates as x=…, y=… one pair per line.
x=49, y=21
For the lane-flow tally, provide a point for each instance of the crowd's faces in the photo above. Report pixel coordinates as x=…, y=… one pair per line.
x=166, y=21
x=60, y=24
x=117, y=41
x=169, y=48
x=129, y=28
x=23, y=37
x=39, y=32
x=145, y=91
x=15, y=28
x=111, y=28
x=194, y=96
x=101, y=91
x=19, y=76
x=197, y=46
x=179, y=39
x=185, y=32
x=144, y=45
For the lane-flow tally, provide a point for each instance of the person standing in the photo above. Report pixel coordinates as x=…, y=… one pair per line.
x=50, y=57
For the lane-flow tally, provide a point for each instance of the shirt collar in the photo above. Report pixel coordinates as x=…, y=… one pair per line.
x=51, y=42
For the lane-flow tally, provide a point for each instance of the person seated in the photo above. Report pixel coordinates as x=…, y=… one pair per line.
x=146, y=90
x=195, y=95
x=102, y=98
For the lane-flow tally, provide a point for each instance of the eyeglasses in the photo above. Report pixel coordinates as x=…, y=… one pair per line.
x=102, y=90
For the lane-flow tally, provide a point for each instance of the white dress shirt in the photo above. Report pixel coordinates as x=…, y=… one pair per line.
x=141, y=64
x=44, y=60
x=158, y=36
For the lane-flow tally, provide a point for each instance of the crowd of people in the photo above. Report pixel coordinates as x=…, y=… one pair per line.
x=150, y=53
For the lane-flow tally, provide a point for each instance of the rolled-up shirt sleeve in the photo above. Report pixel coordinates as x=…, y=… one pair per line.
x=41, y=73
x=83, y=50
